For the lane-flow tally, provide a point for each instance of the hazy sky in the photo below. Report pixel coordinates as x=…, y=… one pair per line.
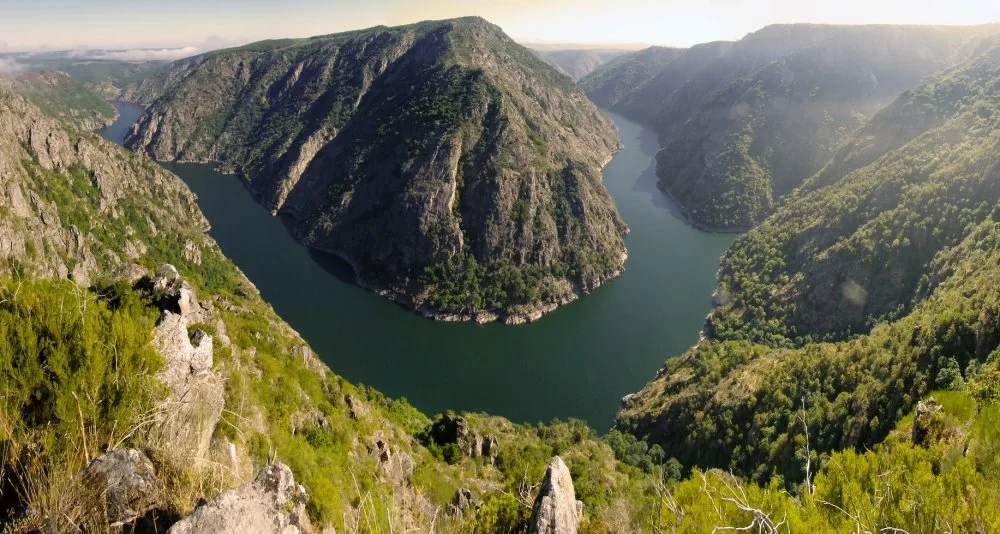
x=61, y=24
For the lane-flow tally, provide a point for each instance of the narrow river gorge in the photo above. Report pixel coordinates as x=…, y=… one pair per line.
x=575, y=362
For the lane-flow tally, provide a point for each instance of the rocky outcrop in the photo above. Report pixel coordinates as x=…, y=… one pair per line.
x=556, y=509
x=456, y=429
x=122, y=481
x=928, y=423
x=416, y=154
x=272, y=503
x=463, y=503
x=193, y=407
x=395, y=466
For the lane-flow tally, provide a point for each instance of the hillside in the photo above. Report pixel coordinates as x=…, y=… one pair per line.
x=855, y=298
x=62, y=97
x=743, y=123
x=457, y=172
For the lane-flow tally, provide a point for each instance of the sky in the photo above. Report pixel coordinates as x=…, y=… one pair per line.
x=33, y=25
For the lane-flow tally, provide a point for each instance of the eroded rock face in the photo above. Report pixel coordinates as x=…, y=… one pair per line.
x=196, y=393
x=123, y=481
x=271, y=503
x=455, y=429
x=556, y=509
x=396, y=465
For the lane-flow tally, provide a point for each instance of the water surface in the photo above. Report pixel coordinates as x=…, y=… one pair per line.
x=575, y=362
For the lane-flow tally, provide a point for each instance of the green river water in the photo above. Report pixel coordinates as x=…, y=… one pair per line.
x=575, y=362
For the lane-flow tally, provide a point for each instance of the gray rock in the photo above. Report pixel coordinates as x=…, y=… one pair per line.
x=456, y=429
x=397, y=466
x=166, y=275
x=271, y=503
x=123, y=482
x=556, y=509
x=465, y=500
x=193, y=406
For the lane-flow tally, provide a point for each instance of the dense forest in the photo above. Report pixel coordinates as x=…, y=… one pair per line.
x=871, y=285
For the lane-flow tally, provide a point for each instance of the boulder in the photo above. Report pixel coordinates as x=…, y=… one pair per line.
x=556, y=509
x=271, y=503
x=175, y=295
x=123, y=482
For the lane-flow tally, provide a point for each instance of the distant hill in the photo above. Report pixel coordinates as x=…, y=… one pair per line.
x=577, y=63
x=743, y=123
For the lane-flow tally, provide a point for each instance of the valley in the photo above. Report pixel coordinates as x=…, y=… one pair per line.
x=576, y=362
x=424, y=278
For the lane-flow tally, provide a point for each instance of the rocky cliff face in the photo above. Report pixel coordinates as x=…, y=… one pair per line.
x=55, y=179
x=744, y=123
x=428, y=156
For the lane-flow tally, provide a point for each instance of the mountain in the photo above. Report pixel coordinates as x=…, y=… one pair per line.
x=871, y=285
x=578, y=62
x=743, y=123
x=457, y=172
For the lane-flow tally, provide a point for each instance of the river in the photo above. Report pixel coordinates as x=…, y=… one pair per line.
x=575, y=362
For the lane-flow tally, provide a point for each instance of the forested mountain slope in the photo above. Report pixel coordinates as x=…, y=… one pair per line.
x=896, y=265
x=456, y=171
x=104, y=373
x=743, y=123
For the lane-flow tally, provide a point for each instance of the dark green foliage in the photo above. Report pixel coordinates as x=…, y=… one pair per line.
x=630, y=450
x=734, y=405
x=837, y=259
x=72, y=365
x=467, y=286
